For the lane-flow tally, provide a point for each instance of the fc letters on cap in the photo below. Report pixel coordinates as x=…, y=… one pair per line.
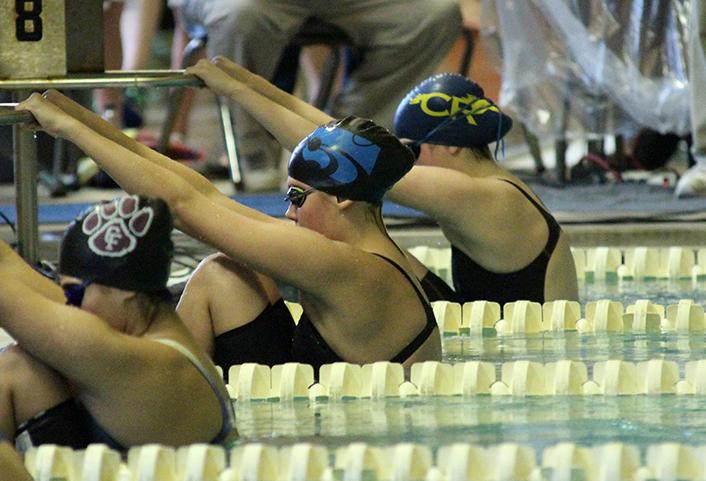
x=50, y=38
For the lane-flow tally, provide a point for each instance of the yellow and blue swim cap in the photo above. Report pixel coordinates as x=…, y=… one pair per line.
x=352, y=158
x=449, y=109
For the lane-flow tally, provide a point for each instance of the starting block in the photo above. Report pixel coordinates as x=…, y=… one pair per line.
x=50, y=38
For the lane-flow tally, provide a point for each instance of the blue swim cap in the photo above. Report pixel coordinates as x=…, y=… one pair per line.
x=125, y=243
x=352, y=158
x=449, y=109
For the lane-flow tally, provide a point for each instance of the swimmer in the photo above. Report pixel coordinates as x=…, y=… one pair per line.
x=11, y=467
x=361, y=303
x=505, y=245
x=487, y=213
x=103, y=357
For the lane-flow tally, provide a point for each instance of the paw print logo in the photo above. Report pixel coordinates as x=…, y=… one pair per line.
x=114, y=227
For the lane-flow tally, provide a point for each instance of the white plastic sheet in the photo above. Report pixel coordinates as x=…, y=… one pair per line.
x=580, y=67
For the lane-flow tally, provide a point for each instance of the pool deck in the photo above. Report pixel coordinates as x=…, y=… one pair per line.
x=583, y=232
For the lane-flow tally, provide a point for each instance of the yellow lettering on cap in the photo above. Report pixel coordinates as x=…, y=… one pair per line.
x=423, y=101
x=469, y=105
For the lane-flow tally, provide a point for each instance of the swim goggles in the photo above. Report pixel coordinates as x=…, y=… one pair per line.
x=297, y=196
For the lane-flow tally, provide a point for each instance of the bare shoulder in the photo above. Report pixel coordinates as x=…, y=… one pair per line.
x=487, y=204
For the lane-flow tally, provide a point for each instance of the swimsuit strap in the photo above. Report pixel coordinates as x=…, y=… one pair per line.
x=430, y=325
x=552, y=224
x=226, y=406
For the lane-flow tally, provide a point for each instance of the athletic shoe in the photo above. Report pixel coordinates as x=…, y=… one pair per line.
x=692, y=183
x=176, y=149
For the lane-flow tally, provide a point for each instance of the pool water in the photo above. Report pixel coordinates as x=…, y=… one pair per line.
x=555, y=346
x=538, y=421
x=659, y=291
x=485, y=420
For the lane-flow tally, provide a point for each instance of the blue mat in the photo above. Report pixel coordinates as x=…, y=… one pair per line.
x=627, y=201
x=270, y=204
x=571, y=203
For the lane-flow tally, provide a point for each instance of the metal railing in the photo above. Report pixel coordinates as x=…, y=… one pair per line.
x=25, y=149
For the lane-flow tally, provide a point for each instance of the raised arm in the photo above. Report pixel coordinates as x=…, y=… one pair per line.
x=109, y=131
x=288, y=126
x=11, y=466
x=72, y=341
x=113, y=134
x=272, y=92
x=464, y=204
x=14, y=269
x=299, y=256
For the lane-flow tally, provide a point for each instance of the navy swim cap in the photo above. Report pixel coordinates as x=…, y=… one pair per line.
x=352, y=158
x=449, y=109
x=125, y=243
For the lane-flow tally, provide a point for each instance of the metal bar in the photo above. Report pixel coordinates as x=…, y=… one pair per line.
x=26, y=189
x=121, y=80
x=25, y=148
x=229, y=140
x=11, y=117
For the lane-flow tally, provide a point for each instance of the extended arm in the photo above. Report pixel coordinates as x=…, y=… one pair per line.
x=11, y=467
x=272, y=92
x=468, y=206
x=299, y=256
x=288, y=126
x=111, y=133
x=76, y=343
x=14, y=269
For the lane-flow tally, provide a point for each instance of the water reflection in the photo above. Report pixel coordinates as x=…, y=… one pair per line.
x=658, y=291
x=536, y=421
x=589, y=348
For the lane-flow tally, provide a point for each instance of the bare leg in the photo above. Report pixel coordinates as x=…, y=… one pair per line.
x=179, y=41
x=404, y=40
x=223, y=295
x=11, y=466
x=27, y=387
x=138, y=25
x=312, y=60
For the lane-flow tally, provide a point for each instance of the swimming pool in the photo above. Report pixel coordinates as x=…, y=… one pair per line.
x=505, y=417
x=537, y=421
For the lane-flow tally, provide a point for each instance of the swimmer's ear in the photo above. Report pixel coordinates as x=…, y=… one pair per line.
x=125, y=295
x=344, y=204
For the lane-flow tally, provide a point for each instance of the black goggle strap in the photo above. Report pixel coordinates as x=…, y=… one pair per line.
x=74, y=293
x=417, y=144
x=499, y=141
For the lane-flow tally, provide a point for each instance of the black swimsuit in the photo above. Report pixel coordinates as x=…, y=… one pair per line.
x=473, y=282
x=267, y=340
x=309, y=347
x=436, y=289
